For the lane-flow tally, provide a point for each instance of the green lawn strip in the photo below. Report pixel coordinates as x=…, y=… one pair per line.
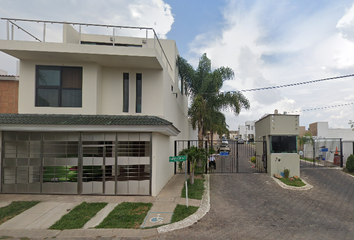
x=195, y=191
x=14, y=209
x=182, y=211
x=295, y=183
x=126, y=215
x=78, y=216
x=347, y=172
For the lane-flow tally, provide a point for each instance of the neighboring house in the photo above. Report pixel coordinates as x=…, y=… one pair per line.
x=321, y=129
x=247, y=131
x=233, y=134
x=97, y=114
x=330, y=138
x=8, y=93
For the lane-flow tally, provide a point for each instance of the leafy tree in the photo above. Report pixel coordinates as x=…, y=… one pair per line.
x=193, y=155
x=351, y=124
x=306, y=138
x=204, y=86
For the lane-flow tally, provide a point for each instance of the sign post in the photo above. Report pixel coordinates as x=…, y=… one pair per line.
x=182, y=159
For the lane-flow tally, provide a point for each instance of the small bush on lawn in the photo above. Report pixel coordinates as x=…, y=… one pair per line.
x=253, y=159
x=350, y=163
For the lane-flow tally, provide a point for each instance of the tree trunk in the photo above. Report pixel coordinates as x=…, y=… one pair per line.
x=200, y=133
x=212, y=138
x=191, y=177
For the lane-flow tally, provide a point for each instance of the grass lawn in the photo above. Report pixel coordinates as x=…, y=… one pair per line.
x=295, y=183
x=181, y=212
x=126, y=215
x=195, y=191
x=14, y=209
x=307, y=159
x=78, y=216
x=346, y=171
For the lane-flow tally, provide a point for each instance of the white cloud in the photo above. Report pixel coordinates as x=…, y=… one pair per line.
x=292, y=49
x=346, y=24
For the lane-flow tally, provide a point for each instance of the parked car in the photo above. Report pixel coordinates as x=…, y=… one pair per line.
x=69, y=173
x=240, y=141
x=224, y=148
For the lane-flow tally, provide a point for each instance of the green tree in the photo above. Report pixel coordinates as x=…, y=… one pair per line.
x=306, y=138
x=215, y=122
x=193, y=155
x=204, y=86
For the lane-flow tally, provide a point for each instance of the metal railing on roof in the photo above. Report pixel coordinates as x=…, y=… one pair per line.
x=10, y=31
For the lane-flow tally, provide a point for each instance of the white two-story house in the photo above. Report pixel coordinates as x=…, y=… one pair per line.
x=97, y=114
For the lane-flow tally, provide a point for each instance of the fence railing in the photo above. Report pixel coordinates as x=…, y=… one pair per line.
x=11, y=25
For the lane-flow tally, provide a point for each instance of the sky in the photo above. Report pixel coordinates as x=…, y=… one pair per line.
x=266, y=43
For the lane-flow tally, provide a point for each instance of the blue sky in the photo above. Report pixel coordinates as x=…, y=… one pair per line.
x=266, y=43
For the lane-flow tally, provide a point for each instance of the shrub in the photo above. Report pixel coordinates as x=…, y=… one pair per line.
x=286, y=173
x=253, y=159
x=350, y=163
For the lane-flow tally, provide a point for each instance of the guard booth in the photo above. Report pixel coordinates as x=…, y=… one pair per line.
x=279, y=133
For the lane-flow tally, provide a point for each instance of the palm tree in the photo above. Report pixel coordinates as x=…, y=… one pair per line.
x=204, y=85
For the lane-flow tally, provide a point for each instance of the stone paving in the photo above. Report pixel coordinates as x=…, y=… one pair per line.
x=253, y=206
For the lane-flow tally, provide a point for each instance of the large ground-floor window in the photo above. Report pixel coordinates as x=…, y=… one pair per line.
x=76, y=163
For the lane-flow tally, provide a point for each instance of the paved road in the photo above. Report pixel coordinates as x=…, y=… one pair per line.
x=253, y=206
x=229, y=164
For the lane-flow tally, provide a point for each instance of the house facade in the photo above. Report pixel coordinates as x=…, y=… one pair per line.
x=97, y=114
x=247, y=131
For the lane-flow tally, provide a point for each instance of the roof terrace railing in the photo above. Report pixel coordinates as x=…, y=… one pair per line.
x=10, y=31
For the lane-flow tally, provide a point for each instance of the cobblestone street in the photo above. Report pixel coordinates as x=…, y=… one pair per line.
x=254, y=206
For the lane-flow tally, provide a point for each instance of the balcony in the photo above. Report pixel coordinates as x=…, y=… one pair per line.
x=79, y=45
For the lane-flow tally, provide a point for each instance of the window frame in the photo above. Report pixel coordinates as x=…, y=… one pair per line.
x=282, y=140
x=59, y=87
x=139, y=93
x=125, y=92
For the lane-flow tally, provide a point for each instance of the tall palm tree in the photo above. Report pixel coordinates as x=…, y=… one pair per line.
x=203, y=85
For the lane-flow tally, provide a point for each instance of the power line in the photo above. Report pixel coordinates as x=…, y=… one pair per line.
x=321, y=108
x=293, y=84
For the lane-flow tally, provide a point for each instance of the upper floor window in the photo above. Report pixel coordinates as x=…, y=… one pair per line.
x=125, y=92
x=138, y=92
x=58, y=86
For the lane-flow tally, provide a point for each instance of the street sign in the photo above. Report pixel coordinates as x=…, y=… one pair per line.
x=224, y=153
x=178, y=159
x=324, y=149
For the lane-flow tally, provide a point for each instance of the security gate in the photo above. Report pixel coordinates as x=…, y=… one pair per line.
x=234, y=159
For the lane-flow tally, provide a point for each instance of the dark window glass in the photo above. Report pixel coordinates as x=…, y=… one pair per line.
x=48, y=76
x=71, y=98
x=59, y=86
x=125, y=92
x=138, y=92
x=283, y=144
x=47, y=97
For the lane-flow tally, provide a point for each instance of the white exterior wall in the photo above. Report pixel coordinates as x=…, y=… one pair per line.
x=242, y=131
x=112, y=89
x=27, y=89
x=324, y=131
x=162, y=169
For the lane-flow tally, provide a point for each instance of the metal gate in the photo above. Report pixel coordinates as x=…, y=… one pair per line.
x=323, y=152
x=235, y=158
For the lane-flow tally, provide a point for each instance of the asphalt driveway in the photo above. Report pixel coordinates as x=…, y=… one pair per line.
x=254, y=206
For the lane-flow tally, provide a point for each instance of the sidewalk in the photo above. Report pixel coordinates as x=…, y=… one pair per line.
x=34, y=222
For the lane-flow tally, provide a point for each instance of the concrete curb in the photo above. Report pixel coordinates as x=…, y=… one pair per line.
x=203, y=209
x=283, y=185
